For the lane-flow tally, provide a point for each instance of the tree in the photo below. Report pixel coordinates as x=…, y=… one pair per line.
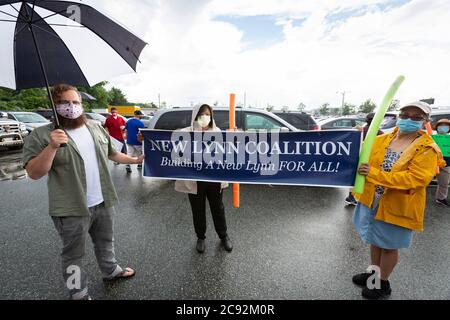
x=270, y=107
x=99, y=93
x=367, y=107
x=28, y=99
x=116, y=97
x=395, y=105
x=335, y=112
x=324, y=109
x=301, y=107
x=348, y=109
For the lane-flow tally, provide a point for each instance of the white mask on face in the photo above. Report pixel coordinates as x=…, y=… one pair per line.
x=204, y=120
x=69, y=110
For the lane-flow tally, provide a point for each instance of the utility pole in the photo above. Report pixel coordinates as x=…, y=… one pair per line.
x=343, y=98
x=159, y=101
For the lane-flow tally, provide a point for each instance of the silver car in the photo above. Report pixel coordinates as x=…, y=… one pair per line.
x=246, y=119
x=32, y=120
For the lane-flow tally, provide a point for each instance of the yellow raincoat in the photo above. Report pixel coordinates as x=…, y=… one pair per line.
x=403, y=201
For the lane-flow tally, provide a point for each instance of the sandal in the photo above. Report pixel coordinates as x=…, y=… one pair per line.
x=125, y=274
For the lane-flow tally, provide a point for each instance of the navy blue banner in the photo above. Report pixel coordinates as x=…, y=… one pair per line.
x=313, y=158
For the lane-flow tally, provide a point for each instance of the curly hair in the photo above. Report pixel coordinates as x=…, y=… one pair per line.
x=59, y=89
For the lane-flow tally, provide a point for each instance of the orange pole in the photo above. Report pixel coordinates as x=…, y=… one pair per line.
x=235, y=186
x=429, y=129
x=430, y=132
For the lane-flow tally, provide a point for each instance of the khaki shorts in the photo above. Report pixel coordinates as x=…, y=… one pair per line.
x=134, y=150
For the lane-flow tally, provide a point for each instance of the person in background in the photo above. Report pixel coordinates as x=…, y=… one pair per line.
x=134, y=146
x=81, y=194
x=199, y=191
x=443, y=178
x=350, y=200
x=115, y=126
x=392, y=205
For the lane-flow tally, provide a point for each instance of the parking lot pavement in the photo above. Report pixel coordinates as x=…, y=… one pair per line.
x=289, y=243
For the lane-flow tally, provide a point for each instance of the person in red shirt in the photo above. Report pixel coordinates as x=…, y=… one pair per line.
x=115, y=126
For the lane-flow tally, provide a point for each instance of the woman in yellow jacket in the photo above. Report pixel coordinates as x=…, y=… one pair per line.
x=392, y=205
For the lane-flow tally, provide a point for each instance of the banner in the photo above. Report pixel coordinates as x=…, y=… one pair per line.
x=310, y=158
x=443, y=141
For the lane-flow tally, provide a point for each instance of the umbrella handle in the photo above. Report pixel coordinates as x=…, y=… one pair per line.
x=62, y=145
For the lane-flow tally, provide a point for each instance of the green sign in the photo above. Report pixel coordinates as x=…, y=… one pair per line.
x=443, y=141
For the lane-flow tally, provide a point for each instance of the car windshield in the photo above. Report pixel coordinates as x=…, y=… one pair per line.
x=30, y=118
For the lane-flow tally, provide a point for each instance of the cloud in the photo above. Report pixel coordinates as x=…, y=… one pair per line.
x=192, y=57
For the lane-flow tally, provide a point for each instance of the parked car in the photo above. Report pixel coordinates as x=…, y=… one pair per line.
x=300, y=120
x=46, y=113
x=31, y=120
x=389, y=122
x=95, y=117
x=438, y=114
x=246, y=119
x=12, y=132
x=341, y=123
x=145, y=120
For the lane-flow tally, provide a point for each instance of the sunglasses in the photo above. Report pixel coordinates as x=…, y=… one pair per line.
x=413, y=117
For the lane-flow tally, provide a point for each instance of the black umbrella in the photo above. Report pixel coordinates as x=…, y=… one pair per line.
x=61, y=42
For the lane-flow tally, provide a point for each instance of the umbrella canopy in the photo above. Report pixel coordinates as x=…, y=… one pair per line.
x=86, y=96
x=77, y=44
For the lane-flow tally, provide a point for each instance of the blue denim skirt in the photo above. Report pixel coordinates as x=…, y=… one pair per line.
x=381, y=234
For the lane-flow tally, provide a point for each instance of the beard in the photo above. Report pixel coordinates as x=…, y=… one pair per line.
x=71, y=124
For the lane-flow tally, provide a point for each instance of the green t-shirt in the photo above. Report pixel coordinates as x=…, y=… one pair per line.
x=67, y=178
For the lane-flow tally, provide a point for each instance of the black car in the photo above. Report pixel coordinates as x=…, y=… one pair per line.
x=300, y=120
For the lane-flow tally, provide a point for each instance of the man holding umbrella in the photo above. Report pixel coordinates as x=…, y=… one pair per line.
x=81, y=193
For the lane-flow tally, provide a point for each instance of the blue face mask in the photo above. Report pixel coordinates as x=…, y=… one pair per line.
x=408, y=125
x=443, y=129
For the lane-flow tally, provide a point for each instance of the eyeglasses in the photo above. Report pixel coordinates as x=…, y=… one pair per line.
x=414, y=118
x=75, y=103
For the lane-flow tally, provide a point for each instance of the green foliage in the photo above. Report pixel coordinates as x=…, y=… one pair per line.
x=117, y=97
x=367, y=107
x=348, y=109
x=24, y=100
x=324, y=109
x=99, y=93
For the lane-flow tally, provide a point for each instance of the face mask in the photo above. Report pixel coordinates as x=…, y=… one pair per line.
x=204, y=120
x=443, y=129
x=408, y=125
x=69, y=110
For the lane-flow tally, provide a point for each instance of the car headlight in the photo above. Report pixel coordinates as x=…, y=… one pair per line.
x=23, y=127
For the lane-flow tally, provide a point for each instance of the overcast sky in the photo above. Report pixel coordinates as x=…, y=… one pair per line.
x=283, y=52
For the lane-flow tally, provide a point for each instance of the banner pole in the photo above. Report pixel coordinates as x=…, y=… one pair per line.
x=235, y=186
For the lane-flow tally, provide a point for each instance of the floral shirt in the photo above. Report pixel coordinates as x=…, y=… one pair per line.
x=390, y=159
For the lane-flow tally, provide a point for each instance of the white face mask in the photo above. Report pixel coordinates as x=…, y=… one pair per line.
x=69, y=110
x=204, y=120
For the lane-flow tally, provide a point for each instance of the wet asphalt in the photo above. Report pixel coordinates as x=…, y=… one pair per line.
x=289, y=243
